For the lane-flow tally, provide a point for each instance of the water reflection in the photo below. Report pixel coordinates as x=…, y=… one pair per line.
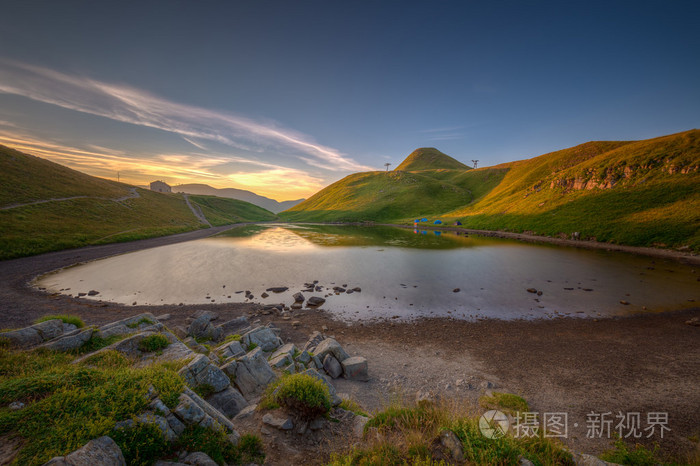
x=402, y=273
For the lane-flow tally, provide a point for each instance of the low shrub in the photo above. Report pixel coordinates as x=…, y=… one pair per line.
x=506, y=402
x=230, y=338
x=352, y=406
x=143, y=320
x=96, y=342
x=218, y=447
x=622, y=454
x=153, y=343
x=142, y=444
x=109, y=359
x=67, y=319
x=301, y=394
x=204, y=390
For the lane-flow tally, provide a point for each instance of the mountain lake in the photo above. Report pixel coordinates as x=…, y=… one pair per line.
x=401, y=274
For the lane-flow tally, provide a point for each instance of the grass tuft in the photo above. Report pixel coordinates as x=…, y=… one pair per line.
x=67, y=319
x=301, y=394
x=153, y=343
x=506, y=402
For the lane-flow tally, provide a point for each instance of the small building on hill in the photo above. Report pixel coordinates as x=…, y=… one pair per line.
x=160, y=187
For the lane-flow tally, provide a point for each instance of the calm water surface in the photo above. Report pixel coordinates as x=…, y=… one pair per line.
x=402, y=274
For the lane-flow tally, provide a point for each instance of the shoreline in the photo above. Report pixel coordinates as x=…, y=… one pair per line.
x=682, y=256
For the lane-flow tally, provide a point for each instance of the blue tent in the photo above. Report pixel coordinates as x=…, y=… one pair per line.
x=458, y=222
x=424, y=219
x=416, y=220
x=438, y=222
x=437, y=233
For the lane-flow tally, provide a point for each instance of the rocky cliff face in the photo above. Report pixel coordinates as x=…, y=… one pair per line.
x=620, y=175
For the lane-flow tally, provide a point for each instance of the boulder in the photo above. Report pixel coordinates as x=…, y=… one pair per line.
x=211, y=412
x=449, y=440
x=314, y=339
x=263, y=337
x=50, y=329
x=281, y=361
x=277, y=289
x=23, y=338
x=252, y=373
x=229, y=401
x=69, y=342
x=355, y=368
x=103, y=451
x=201, y=313
x=315, y=301
x=330, y=346
x=140, y=322
x=149, y=418
x=69, y=327
x=332, y=366
x=282, y=423
x=298, y=297
x=304, y=357
x=235, y=326
x=582, y=459
x=358, y=425
x=213, y=377
x=175, y=424
x=232, y=349
x=288, y=348
x=188, y=411
x=202, y=328
x=199, y=459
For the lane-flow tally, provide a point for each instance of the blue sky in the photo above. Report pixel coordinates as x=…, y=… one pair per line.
x=285, y=97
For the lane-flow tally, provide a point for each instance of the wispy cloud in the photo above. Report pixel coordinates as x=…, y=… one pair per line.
x=264, y=178
x=138, y=107
x=446, y=133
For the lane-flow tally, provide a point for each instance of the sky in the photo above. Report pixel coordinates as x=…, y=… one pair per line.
x=285, y=97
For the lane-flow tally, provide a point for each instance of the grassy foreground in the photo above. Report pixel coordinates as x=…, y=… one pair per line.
x=69, y=404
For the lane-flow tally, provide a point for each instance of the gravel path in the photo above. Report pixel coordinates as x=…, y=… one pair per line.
x=133, y=194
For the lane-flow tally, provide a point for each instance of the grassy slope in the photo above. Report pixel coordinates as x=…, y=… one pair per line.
x=652, y=202
x=224, y=211
x=379, y=196
x=647, y=206
x=26, y=178
x=81, y=222
x=51, y=226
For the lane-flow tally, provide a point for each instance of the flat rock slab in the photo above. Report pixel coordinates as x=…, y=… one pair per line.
x=355, y=368
x=103, y=451
x=281, y=423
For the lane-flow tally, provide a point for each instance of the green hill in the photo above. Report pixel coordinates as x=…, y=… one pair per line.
x=644, y=193
x=429, y=158
x=36, y=217
x=224, y=211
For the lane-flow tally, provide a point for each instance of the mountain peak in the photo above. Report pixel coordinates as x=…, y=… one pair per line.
x=429, y=158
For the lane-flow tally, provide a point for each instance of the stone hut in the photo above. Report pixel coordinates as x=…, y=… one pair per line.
x=160, y=187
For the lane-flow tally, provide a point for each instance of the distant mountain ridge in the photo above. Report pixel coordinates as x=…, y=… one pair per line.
x=241, y=194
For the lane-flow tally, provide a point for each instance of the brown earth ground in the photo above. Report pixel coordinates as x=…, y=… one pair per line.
x=648, y=363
